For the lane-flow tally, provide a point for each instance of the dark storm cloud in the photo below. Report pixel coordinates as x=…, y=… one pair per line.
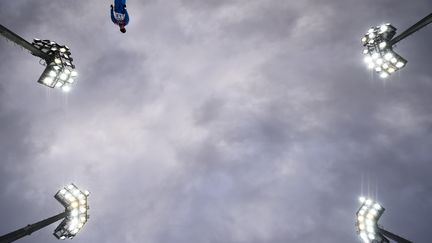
x=217, y=121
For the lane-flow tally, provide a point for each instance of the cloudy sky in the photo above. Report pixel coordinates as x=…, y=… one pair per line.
x=217, y=121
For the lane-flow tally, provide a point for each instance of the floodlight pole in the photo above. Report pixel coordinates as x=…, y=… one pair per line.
x=18, y=234
x=411, y=30
x=22, y=42
x=393, y=236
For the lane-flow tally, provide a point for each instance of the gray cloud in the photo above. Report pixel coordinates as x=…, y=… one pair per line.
x=217, y=121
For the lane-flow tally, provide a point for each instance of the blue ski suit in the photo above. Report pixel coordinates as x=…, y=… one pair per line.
x=119, y=14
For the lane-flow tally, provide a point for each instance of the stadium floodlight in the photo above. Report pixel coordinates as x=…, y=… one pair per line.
x=75, y=203
x=59, y=71
x=378, y=45
x=74, y=217
x=378, y=52
x=367, y=220
x=367, y=223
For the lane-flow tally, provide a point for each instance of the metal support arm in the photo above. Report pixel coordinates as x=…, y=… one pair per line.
x=22, y=42
x=411, y=30
x=393, y=236
x=18, y=234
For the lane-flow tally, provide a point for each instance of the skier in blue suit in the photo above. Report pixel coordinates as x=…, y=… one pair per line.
x=119, y=14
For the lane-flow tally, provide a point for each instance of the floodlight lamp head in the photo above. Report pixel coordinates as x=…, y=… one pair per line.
x=75, y=202
x=60, y=71
x=379, y=54
x=367, y=221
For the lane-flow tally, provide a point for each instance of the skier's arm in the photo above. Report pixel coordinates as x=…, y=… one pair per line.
x=126, y=19
x=112, y=16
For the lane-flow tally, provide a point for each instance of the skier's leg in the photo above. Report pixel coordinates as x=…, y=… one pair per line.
x=118, y=4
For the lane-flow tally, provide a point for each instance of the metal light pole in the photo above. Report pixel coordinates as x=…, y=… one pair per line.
x=73, y=218
x=18, y=234
x=22, y=42
x=59, y=71
x=411, y=30
x=393, y=236
x=367, y=224
x=379, y=42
